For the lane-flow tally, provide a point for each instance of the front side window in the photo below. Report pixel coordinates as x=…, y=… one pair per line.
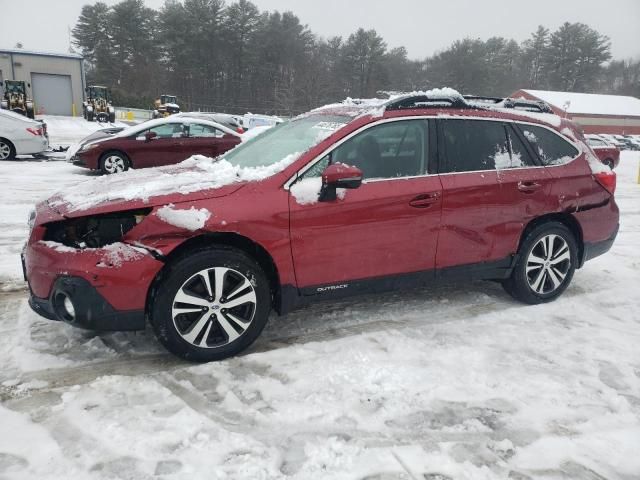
x=474, y=145
x=167, y=130
x=390, y=150
x=550, y=147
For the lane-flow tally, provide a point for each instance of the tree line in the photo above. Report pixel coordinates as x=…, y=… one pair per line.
x=235, y=58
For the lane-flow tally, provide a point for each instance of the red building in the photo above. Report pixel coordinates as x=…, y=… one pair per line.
x=595, y=113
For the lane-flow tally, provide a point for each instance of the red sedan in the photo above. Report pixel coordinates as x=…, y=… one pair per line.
x=156, y=143
x=607, y=153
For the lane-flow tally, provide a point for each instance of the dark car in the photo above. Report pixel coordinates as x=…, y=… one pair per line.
x=154, y=143
x=351, y=198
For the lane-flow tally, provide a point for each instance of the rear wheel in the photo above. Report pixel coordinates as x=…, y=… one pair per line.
x=113, y=162
x=90, y=116
x=547, y=261
x=7, y=150
x=211, y=304
x=112, y=117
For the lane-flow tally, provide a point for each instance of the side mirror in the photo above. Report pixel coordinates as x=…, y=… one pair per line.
x=148, y=136
x=338, y=175
x=28, y=85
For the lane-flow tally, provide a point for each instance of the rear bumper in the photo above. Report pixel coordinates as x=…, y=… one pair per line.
x=595, y=249
x=90, y=309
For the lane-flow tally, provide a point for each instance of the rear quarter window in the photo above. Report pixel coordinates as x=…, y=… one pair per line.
x=550, y=147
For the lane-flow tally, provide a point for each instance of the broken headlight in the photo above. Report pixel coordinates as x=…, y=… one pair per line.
x=95, y=231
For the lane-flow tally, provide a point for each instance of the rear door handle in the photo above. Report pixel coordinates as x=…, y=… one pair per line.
x=425, y=200
x=528, y=187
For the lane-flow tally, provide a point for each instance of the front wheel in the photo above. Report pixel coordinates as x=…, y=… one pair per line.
x=547, y=261
x=113, y=162
x=210, y=304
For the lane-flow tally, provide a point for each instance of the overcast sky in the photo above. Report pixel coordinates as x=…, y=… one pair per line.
x=422, y=26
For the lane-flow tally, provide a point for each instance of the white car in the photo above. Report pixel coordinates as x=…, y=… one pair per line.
x=20, y=135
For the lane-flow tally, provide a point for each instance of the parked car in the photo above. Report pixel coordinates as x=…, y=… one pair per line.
x=629, y=143
x=20, y=135
x=608, y=154
x=346, y=199
x=164, y=141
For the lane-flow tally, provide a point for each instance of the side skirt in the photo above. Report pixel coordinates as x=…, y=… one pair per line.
x=292, y=298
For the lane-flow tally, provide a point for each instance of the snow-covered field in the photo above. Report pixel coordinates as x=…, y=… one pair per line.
x=450, y=382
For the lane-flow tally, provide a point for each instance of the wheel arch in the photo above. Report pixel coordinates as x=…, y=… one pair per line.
x=244, y=244
x=567, y=220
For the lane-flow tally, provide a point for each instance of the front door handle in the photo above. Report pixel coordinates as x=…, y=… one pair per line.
x=425, y=200
x=528, y=187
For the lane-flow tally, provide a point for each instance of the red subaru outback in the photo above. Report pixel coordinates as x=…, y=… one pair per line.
x=353, y=197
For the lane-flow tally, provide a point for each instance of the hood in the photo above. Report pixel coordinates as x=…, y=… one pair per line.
x=197, y=178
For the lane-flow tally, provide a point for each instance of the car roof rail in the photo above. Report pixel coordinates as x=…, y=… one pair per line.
x=527, y=105
x=427, y=101
x=483, y=99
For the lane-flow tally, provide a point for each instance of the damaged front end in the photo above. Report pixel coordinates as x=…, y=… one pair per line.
x=85, y=271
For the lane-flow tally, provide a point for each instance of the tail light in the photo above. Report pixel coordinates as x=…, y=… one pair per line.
x=35, y=131
x=607, y=180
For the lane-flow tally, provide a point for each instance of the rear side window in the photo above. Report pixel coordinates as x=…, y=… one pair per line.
x=551, y=147
x=472, y=145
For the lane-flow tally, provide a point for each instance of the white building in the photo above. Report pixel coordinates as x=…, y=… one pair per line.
x=56, y=81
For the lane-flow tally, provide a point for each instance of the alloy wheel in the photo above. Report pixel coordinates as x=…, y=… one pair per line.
x=5, y=151
x=114, y=164
x=214, y=307
x=548, y=264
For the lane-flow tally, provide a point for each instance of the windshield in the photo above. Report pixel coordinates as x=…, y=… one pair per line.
x=15, y=87
x=99, y=93
x=296, y=136
x=168, y=99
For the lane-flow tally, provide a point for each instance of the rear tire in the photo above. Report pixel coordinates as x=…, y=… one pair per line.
x=199, y=328
x=90, y=116
x=113, y=162
x=7, y=150
x=112, y=117
x=547, y=261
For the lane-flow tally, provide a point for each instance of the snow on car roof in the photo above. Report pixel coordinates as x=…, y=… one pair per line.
x=173, y=119
x=589, y=103
x=16, y=116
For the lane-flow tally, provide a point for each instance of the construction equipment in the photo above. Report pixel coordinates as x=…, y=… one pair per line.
x=15, y=97
x=165, y=105
x=98, y=106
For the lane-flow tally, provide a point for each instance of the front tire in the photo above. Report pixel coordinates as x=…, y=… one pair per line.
x=113, y=162
x=547, y=261
x=7, y=150
x=210, y=304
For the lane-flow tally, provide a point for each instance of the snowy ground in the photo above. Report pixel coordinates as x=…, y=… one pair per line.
x=455, y=382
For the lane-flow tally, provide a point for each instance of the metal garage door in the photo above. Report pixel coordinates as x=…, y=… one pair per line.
x=52, y=93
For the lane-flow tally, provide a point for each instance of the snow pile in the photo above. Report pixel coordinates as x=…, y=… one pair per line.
x=112, y=255
x=197, y=173
x=191, y=219
x=307, y=191
x=116, y=254
x=375, y=107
